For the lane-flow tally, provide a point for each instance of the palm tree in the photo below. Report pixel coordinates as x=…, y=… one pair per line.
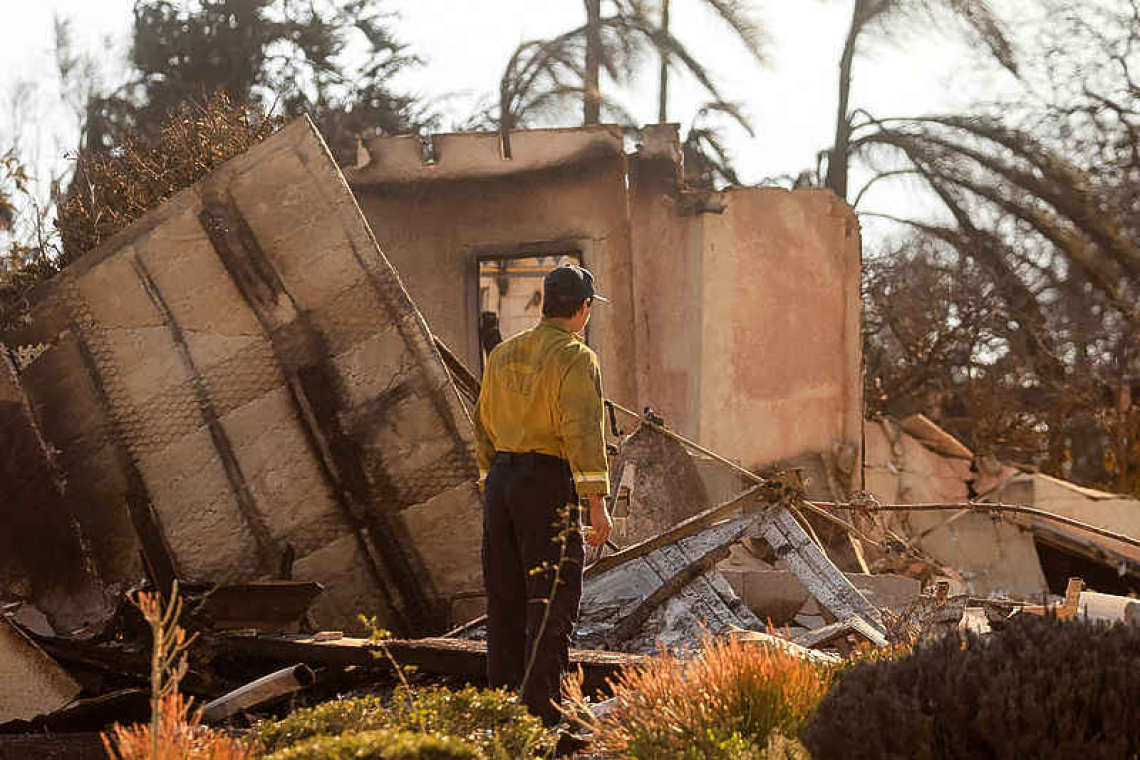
x=735, y=14
x=867, y=15
x=543, y=74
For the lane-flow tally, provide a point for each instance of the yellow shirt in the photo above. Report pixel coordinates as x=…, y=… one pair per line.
x=542, y=392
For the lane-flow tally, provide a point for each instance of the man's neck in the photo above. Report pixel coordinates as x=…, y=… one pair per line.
x=567, y=325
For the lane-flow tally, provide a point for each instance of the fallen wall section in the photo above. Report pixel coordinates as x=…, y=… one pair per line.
x=239, y=386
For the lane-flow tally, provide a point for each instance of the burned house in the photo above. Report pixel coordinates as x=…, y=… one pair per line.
x=244, y=384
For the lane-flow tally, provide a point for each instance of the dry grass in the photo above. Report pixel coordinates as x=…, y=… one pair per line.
x=727, y=702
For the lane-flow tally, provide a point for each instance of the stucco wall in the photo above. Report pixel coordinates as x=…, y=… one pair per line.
x=780, y=351
x=562, y=190
x=667, y=286
x=742, y=328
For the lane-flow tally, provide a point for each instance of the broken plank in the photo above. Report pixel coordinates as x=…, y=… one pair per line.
x=827, y=584
x=92, y=714
x=683, y=529
x=785, y=645
x=833, y=632
x=264, y=605
x=130, y=664
x=618, y=602
x=460, y=658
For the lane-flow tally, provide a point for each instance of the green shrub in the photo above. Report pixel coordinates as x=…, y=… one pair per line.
x=380, y=745
x=494, y=721
x=328, y=718
x=1038, y=689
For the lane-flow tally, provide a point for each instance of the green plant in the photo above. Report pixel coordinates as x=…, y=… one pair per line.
x=726, y=703
x=1039, y=688
x=494, y=721
x=331, y=718
x=380, y=745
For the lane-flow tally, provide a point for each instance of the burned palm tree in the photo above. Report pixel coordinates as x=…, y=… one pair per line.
x=1039, y=199
x=707, y=161
x=735, y=14
x=879, y=16
x=544, y=76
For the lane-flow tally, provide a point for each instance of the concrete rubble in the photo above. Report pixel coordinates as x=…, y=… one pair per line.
x=239, y=393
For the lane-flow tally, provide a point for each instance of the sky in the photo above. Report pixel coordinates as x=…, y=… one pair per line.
x=790, y=100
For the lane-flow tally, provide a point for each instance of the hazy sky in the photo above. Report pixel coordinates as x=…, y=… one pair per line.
x=791, y=100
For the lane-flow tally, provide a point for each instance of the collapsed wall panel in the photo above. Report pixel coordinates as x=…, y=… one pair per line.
x=992, y=556
x=239, y=385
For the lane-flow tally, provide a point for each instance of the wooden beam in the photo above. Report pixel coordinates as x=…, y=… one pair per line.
x=683, y=529
x=264, y=605
x=459, y=658
x=831, y=588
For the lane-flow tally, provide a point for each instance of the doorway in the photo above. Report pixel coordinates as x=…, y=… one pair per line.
x=510, y=293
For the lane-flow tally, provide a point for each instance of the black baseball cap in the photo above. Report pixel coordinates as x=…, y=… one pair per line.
x=572, y=281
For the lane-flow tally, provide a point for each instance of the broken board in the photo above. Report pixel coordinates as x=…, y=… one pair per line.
x=620, y=607
x=827, y=584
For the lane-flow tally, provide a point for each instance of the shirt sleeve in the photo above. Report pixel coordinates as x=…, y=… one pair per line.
x=484, y=449
x=582, y=424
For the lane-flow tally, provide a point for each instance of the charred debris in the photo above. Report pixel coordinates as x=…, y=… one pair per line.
x=237, y=394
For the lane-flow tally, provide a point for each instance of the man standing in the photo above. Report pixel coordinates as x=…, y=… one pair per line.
x=541, y=444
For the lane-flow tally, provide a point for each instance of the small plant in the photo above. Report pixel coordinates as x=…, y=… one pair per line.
x=328, y=718
x=1038, y=688
x=174, y=732
x=495, y=722
x=380, y=745
x=726, y=703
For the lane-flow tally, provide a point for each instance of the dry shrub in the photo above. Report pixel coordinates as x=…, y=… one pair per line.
x=113, y=189
x=174, y=733
x=179, y=736
x=727, y=702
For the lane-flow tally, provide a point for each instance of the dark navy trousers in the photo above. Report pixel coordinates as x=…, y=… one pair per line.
x=531, y=525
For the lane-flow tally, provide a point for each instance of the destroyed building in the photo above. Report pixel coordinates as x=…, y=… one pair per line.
x=729, y=307
x=239, y=386
x=261, y=389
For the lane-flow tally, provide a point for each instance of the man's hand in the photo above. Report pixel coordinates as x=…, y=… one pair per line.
x=600, y=524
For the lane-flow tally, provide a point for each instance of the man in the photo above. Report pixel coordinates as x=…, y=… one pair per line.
x=541, y=445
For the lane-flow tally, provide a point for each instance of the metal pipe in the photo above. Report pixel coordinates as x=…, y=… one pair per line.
x=268, y=687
